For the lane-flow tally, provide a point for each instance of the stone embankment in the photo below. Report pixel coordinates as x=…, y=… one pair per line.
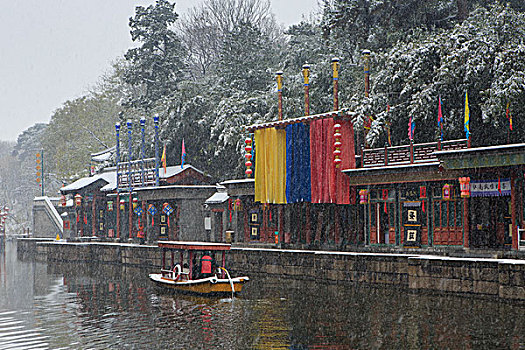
x=484, y=277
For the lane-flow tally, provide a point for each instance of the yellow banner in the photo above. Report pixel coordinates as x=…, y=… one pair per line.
x=270, y=166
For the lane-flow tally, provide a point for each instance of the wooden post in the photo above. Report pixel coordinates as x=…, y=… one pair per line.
x=362, y=156
x=337, y=224
x=163, y=258
x=191, y=265
x=411, y=152
x=130, y=216
x=279, y=78
x=306, y=76
x=223, y=263
x=386, y=153
x=281, y=223
x=117, y=207
x=308, y=230
x=335, y=73
x=513, y=208
x=466, y=224
x=93, y=216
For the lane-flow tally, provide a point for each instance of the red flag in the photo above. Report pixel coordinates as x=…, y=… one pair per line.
x=183, y=155
x=509, y=116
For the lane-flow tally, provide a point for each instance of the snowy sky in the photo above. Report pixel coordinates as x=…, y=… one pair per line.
x=54, y=50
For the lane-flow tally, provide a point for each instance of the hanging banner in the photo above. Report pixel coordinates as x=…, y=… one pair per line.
x=490, y=188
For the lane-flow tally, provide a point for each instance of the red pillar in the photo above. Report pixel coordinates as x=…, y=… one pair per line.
x=513, y=207
x=93, y=216
x=466, y=224
x=117, y=206
x=130, y=216
x=281, y=223
x=191, y=265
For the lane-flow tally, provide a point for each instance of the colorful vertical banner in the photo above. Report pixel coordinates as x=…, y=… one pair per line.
x=330, y=185
x=509, y=116
x=163, y=159
x=440, y=118
x=270, y=166
x=298, y=181
x=467, y=117
x=411, y=128
x=183, y=155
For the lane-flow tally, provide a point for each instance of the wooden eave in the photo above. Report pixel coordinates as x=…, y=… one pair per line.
x=341, y=114
x=176, y=192
x=425, y=172
x=179, y=245
x=483, y=157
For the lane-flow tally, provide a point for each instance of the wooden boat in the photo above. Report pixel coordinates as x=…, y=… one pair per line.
x=186, y=277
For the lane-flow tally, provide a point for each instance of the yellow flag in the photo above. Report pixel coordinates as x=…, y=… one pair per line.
x=163, y=159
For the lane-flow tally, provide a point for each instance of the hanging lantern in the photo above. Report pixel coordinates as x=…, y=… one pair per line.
x=237, y=204
x=423, y=196
x=447, y=191
x=464, y=186
x=337, y=145
x=63, y=200
x=363, y=196
x=110, y=205
x=248, y=148
x=122, y=205
x=78, y=200
x=135, y=203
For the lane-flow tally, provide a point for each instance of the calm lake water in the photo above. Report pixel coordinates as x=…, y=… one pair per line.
x=65, y=306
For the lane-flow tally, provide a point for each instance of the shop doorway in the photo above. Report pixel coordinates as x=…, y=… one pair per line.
x=491, y=222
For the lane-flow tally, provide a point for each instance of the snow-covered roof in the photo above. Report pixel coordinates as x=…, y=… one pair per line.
x=104, y=155
x=108, y=177
x=217, y=198
x=175, y=170
x=514, y=146
x=238, y=181
x=281, y=123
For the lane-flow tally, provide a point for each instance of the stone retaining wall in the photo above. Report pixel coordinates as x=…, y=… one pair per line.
x=499, y=278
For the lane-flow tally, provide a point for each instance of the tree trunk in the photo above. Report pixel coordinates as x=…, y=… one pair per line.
x=462, y=10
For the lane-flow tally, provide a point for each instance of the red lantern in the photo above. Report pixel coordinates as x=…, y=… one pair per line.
x=363, y=196
x=248, y=155
x=63, y=200
x=337, y=145
x=78, y=200
x=238, y=204
x=464, y=186
x=135, y=202
x=447, y=192
x=122, y=205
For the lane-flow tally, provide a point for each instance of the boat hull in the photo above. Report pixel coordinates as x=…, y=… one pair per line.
x=210, y=285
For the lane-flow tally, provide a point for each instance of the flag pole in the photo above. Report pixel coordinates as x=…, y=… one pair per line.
x=306, y=76
x=279, y=78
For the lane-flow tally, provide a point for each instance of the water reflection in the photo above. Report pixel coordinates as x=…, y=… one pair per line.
x=81, y=306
